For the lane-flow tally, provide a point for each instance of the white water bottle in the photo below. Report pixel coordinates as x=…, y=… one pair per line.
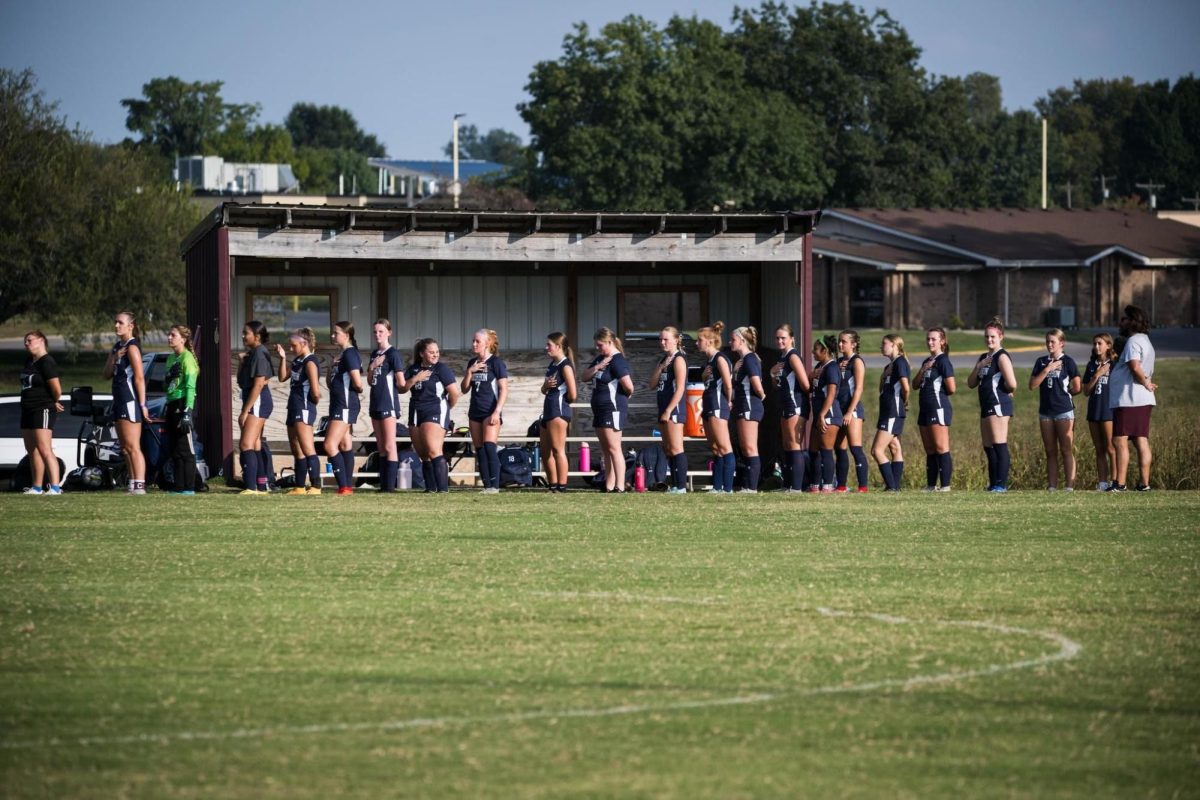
x=404, y=476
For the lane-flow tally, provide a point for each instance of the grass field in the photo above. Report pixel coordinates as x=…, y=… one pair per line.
x=635, y=646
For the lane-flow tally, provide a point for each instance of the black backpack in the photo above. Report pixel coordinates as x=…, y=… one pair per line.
x=516, y=467
x=653, y=459
x=631, y=462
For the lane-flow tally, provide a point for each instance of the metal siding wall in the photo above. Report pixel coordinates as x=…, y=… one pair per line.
x=728, y=297
x=781, y=296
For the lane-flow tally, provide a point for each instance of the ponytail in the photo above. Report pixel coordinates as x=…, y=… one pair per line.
x=749, y=335
x=945, y=339
x=259, y=330
x=309, y=337
x=137, y=331
x=560, y=340
x=185, y=333
x=607, y=335
x=898, y=342
x=711, y=333
x=348, y=329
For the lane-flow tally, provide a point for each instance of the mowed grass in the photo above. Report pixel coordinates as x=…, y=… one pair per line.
x=589, y=645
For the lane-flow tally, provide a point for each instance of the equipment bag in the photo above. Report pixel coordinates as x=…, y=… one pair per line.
x=516, y=467
x=653, y=459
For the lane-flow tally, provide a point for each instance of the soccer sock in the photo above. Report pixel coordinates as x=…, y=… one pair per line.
x=796, y=458
x=827, y=468
x=718, y=474
x=931, y=470
x=885, y=469
x=843, y=466
x=990, y=452
x=493, y=454
x=314, y=470
x=339, y=469
x=679, y=470
x=427, y=476
x=1003, y=462
x=860, y=465
x=301, y=471
x=730, y=462
x=484, y=465
x=945, y=468
x=898, y=474
x=812, y=475
x=249, y=460
x=264, y=470
x=441, y=473
x=753, y=471
x=348, y=467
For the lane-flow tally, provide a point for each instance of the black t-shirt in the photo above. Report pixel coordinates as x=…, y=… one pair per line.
x=35, y=379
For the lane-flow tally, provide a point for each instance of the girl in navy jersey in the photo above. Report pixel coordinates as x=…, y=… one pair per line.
x=434, y=393
x=1056, y=377
x=124, y=367
x=993, y=376
x=791, y=382
x=612, y=386
x=748, y=394
x=345, y=386
x=385, y=374
x=850, y=391
x=487, y=381
x=1099, y=415
x=559, y=391
x=715, y=409
x=827, y=412
x=40, y=406
x=254, y=372
x=669, y=380
x=893, y=409
x=303, y=377
x=935, y=382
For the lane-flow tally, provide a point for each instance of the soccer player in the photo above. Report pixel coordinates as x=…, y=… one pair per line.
x=993, y=376
x=850, y=391
x=304, y=392
x=385, y=375
x=559, y=391
x=827, y=412
x=748, y=394
x=124, y=367
x=345, y=385
x=669, y=380
x=791, y=381
x=487, y=381
x=935, y=383
x=612, y=386
x=434, y=392
x=40, y=406
x=894, y=389
x=714, y=406
x=182, y=372
x=254, y=373
x=1056, y=377
x=1099, y=413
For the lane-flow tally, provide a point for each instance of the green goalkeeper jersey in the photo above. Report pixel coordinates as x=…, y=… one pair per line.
x=182, y=372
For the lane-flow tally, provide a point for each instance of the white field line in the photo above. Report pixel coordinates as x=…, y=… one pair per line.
x=1067, y=650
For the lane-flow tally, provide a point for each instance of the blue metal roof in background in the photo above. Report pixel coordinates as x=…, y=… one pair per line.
x=467, y=168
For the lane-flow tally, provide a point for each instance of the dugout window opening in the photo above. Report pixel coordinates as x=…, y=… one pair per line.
x=283, y=310
x=643, y=311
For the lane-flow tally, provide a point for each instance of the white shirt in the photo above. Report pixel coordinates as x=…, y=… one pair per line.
x=1124, y=391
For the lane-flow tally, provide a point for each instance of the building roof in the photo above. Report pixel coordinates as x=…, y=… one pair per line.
x=887, y=256
x=440, y=170
x=1024, y=237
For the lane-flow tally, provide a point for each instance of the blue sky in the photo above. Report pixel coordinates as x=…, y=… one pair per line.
x=405, y=68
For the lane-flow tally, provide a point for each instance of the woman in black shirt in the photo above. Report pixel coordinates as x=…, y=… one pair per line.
x=40, y=391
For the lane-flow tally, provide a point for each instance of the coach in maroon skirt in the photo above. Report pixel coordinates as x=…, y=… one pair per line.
x=1131, y=395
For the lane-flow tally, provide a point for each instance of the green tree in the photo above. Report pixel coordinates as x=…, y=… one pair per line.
x=497, y=145
x=330, y=127
x=317, y=169
x=177, y=118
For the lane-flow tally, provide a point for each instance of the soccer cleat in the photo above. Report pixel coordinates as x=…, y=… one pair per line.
x=998, y=489
x=929, y=489
x=746, y=490
x=297, y=492
x=676, y=490
x=862, y=490
x=942, y=489
x=814, y=489
x=1051, y=488
x=1069, y=489
x=32, y=490
x=1116, y=487
x=54, y=489
x=136, y=491
x=313, y=490
x=842, y=490
x=344, y=490
x=1141, y=487
x=190, y=493
x=254, y=492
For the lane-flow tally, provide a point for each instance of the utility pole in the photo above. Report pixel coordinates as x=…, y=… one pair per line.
x=1151, y=188
x=1195, y=201
x=455, y=189
x=1104, y=179
x=1045, y=147
x=1068, y=195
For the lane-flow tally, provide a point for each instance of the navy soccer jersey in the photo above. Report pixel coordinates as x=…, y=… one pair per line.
x=793, y=401
x=891, y=404
x=934, y=403
x=1054, y=395
x=385, y=399
x=125, y=403
x=429, y=397
x=1097, y=408
x=610, y=406
x=848, y=386
x=746, y=404
x=995, y=395
x=827, y=375
x=301, y=408
x=555, y=405
x=666, y=388
x=485, y=387
x=714, y=403
x=257, y=364
x=344, y=403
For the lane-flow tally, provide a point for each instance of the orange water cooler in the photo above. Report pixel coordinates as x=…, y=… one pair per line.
x=694, y=425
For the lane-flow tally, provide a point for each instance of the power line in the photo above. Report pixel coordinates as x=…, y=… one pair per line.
x=1151, y=188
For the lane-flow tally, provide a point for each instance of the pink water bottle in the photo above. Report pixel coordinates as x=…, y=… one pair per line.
x=639, y=479
x=585, y=458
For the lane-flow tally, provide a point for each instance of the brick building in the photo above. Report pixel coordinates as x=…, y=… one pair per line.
x=907, y=268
